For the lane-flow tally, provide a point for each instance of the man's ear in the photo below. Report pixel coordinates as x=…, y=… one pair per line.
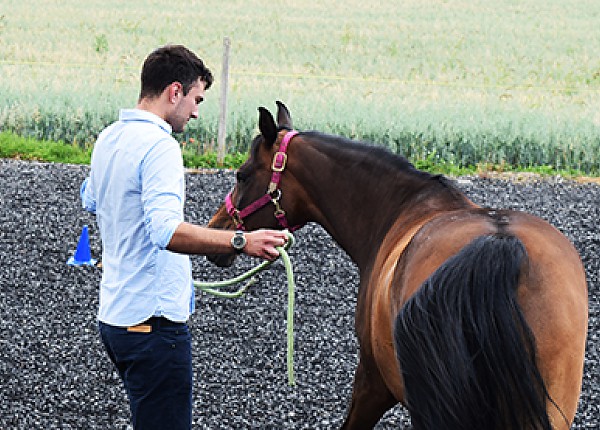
x=175, y=90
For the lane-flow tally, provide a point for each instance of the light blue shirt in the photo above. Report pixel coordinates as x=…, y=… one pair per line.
x=136, y=188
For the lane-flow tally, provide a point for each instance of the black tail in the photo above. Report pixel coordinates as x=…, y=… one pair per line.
x=467, y=355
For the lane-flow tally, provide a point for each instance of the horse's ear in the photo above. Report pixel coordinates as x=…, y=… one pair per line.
x=284, y=119
x=266, y=125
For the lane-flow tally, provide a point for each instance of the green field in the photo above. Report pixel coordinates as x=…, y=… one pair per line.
x=466, y=82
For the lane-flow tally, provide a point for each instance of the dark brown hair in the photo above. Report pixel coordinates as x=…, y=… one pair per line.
x=172, y=63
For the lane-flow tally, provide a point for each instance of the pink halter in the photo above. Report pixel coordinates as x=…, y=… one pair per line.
x=273, y=194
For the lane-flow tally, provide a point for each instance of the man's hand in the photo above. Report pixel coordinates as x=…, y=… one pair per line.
x=262, y=243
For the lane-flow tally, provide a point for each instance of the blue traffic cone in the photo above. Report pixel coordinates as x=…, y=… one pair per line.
x=83, y=254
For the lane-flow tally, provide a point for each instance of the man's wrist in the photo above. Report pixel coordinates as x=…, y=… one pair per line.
x=238, y=241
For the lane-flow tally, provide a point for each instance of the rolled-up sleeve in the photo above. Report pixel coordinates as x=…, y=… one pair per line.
x=86, y=193
x=163, y=191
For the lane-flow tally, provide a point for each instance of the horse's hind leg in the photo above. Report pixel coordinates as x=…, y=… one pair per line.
x=370, y=398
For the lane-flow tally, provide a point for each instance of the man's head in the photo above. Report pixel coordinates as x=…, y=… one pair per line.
x=174, y=78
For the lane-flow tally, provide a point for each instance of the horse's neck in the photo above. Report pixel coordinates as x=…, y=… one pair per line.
x=357, y=202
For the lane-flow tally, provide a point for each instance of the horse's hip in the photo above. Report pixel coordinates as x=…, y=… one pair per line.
x=551, y=292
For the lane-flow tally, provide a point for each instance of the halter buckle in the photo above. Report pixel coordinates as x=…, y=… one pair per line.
x=235, y=214
x=279, y=162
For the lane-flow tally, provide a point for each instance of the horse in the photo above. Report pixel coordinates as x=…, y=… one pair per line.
x=470, y=317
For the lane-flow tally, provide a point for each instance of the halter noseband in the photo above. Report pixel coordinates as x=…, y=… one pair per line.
x=273, y=194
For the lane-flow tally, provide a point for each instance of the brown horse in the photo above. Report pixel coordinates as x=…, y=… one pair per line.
x=472, y=318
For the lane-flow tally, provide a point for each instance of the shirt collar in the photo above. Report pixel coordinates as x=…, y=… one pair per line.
x=144, y=115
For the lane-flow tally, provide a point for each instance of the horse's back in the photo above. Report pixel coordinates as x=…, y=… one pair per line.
x=553, y=259
x=551, y=292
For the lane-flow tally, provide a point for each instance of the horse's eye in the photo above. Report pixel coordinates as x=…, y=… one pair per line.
x=241, y=176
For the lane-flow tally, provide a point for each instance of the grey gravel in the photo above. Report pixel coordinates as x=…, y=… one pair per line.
x=55, y=374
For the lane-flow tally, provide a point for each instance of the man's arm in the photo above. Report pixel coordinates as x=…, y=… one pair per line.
x=194, y=239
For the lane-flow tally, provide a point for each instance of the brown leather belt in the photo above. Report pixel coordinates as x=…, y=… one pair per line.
x=154, y=323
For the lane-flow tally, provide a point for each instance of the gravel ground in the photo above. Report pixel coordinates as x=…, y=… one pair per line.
x=55, y=374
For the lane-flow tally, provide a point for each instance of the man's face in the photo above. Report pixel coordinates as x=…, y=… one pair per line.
x=186, y=107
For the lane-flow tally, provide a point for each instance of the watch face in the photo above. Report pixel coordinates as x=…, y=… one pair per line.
x=238, y=241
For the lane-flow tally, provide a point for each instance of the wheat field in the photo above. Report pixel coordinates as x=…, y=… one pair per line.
x=465, y=81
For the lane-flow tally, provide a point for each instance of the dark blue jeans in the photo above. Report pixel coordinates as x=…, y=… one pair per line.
x=156, y=369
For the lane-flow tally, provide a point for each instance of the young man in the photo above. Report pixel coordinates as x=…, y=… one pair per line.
x=136, y=188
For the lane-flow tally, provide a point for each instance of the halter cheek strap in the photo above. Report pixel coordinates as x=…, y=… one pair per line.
x=280, y=160
x=273, y=194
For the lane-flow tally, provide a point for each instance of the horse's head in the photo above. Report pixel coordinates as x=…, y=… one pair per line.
x=264, y=196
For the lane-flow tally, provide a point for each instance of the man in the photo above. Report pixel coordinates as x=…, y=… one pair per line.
x=136, y=188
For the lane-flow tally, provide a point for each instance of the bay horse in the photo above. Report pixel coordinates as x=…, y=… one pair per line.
x=472, y=318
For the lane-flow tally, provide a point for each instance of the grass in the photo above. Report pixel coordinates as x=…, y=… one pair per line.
x=469, y=82
x=13, y=146
x=31, y=149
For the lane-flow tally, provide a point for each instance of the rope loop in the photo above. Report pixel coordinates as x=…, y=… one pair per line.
x=214, y=289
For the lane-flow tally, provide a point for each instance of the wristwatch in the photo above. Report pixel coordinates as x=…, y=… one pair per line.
x=238, y=241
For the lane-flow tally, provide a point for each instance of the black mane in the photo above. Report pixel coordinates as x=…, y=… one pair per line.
x=381, y=156
x=377, y=153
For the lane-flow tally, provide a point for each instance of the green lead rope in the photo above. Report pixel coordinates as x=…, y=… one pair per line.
x=214, y=289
